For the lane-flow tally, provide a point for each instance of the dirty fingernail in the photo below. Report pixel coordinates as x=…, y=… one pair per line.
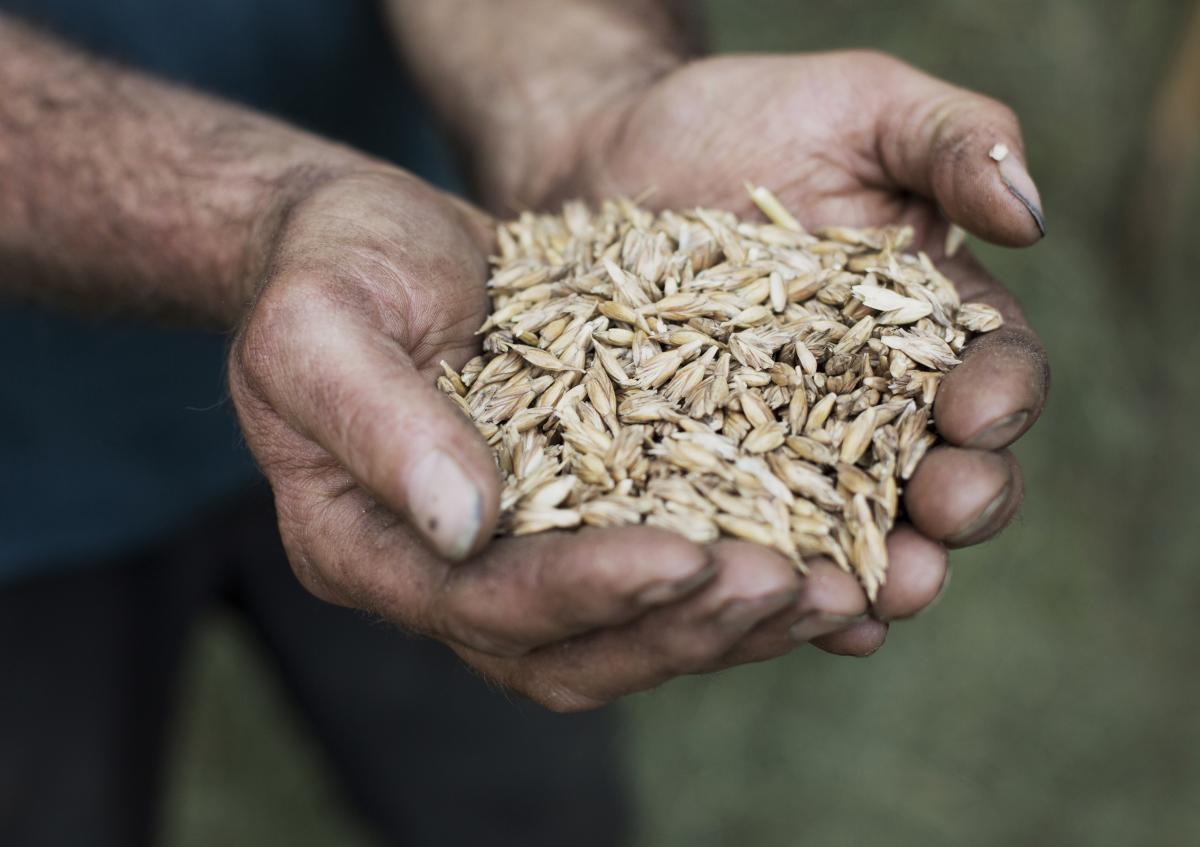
x=1000, y=433
x=445, y=504
x=1020, y=184
x=816, y=624
x=981, y=520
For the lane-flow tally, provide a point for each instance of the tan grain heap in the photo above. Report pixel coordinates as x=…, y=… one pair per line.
x=711, y=376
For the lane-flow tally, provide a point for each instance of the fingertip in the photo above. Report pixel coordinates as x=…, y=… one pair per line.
x=996, y=201
x=996, y=394
x=860, y=640
x=999, y=513
x=963, y=150
x=830, y=600
x=829, y=590
x=451, y=487
x=1015, y=176
x=916, y=573
x=962, y=497
x=673, y=566
x=752, y=569
x=449, y=505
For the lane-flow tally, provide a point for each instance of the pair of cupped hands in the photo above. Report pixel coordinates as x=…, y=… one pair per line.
x=387, y=497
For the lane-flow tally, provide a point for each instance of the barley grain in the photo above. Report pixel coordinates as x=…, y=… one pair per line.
x=711, y=376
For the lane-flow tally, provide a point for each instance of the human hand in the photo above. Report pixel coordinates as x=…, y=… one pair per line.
x=386, y=494
x=859, y=138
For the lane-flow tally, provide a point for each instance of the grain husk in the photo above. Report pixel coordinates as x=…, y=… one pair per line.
x=713, y=376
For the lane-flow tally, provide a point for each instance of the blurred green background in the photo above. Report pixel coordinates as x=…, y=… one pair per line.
x=1053, y=697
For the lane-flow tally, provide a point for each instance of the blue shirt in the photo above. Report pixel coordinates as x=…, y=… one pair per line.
x=114, y=433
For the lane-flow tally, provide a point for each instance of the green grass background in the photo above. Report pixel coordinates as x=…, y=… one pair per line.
x=1053, y=696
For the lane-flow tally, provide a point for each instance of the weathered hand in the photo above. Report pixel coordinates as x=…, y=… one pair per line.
x=859, y=138
x=380, y=482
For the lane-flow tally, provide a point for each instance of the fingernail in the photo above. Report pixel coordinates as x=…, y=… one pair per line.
x=661, y=593
x=982, y=519
x=1020, y=185
x=446, y=505
x=1000, y=433
x=741, y=615
x=815, y=624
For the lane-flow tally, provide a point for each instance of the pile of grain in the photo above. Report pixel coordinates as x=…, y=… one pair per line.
x=713, y=376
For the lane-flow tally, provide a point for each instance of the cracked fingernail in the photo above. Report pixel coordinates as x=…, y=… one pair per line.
x=445, y=503
x=999, y=433
x=982, y=519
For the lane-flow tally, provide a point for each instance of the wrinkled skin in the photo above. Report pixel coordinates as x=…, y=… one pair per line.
x=859, y=138
x=375, y=278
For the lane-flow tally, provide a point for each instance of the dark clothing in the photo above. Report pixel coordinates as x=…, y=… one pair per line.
x=114, y=433
x=428, y=754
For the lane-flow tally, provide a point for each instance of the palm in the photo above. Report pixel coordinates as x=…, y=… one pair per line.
x=788, y=124
x=830, y=134
x=859, y=139
x=418, y=257
x=374, y=280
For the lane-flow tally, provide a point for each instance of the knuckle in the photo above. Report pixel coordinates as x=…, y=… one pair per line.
x=1004, y=113
x=610, y=591
x=939, y=121
x=750, y=572
x=772, y=576
x=876, y=60
x=962, y=122
x=831, y=589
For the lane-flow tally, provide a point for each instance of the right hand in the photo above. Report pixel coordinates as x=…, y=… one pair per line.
x=386, y=493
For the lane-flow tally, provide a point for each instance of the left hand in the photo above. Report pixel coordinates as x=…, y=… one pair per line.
x=387, y=495
x=859, y=138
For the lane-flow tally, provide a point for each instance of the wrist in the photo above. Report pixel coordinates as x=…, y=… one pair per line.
x=526, y=84
x=543, y=153
x=275, y=189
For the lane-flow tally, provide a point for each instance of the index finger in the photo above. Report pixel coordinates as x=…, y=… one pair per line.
x=519, y=594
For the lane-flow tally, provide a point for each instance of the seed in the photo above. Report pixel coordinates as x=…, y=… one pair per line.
x=764, y=439
x=711, y=376
x=978, y=317
x=955, y=237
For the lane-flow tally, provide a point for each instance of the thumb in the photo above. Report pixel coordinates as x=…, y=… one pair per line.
x=965, y=152
x=357, y=394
